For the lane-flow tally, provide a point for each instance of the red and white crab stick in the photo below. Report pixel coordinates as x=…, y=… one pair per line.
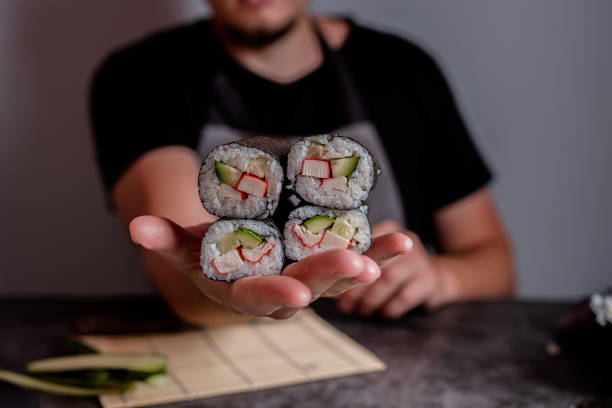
x=316, y=168
x=254, y=255
x=228, y=262
x=252, y=185
x=307, y=238
x=226, y=190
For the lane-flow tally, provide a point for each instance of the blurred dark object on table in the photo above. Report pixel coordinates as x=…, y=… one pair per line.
x=595, y=403
x=585, y=333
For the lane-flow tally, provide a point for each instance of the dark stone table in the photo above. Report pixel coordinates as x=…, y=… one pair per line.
x=485, y=354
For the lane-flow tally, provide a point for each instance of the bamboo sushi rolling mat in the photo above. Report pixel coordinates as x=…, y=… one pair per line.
x=244, y=357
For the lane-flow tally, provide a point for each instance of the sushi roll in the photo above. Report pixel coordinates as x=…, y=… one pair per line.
x=312, y=229
x=235, y=248
x=331, y=171
x=243, y=179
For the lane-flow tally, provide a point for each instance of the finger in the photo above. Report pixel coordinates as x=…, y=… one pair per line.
x=413, y=294
x=370, y=273
x=177, y=245
x=320, y=271
x=395, y=273
x=255, y=295
x=263, y=295
x=388, y=246
x=346, y=303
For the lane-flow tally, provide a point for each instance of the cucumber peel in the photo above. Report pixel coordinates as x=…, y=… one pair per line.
x=145, y=363
x=93, y=378
x=31, y=383
x=101, y=378
x=247, y=238
x=318, y=223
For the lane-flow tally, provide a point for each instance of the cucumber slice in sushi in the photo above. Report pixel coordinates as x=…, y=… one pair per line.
x=343, y=229
x=318, y=223
x=344, y=167
x=146, y=363
x=227, y=174
x=257, y=167
x=28, y=382
x=247, y=238
x=227, y=243
x=316, y=150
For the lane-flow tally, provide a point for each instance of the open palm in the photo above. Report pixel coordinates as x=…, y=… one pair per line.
x=326, y=274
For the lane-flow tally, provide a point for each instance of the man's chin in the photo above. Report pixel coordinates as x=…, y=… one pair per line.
x=258, y=38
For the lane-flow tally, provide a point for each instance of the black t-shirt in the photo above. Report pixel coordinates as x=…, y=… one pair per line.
x=159, y=91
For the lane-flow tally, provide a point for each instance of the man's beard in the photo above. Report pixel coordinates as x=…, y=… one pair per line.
x=258, y=38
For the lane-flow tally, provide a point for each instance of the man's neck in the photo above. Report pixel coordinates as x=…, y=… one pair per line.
x=290, y=57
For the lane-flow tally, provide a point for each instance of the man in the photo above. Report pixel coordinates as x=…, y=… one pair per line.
x=268, y=67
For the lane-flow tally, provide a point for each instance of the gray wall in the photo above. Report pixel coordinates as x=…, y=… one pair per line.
x=532, y=78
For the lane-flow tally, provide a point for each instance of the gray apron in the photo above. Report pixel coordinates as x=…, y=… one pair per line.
x=384, y=201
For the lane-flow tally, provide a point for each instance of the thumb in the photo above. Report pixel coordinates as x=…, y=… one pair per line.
x=158, y=234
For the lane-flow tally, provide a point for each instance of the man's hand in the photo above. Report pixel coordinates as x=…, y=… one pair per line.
x=327, y=274
x=408, y=279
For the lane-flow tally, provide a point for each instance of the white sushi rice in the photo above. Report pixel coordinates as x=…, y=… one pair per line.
x=270, y=264
x=294, y=249
x=309, y=188
x=239, y=156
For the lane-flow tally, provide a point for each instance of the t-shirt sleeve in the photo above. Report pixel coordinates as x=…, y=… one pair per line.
x=451, y=166
x=131, y=113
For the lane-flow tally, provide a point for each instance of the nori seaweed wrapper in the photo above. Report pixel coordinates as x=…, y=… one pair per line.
x=275, y=147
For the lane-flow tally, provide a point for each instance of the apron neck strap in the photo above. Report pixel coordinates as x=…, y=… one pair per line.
x=351, y=97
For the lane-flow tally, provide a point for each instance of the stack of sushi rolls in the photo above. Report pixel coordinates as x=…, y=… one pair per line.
x=335, y=173
x=242, y=183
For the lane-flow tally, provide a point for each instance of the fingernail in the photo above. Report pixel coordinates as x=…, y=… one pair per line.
x=145, y=246
x=133, y=238
x=409, y=245
x=302, y=301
